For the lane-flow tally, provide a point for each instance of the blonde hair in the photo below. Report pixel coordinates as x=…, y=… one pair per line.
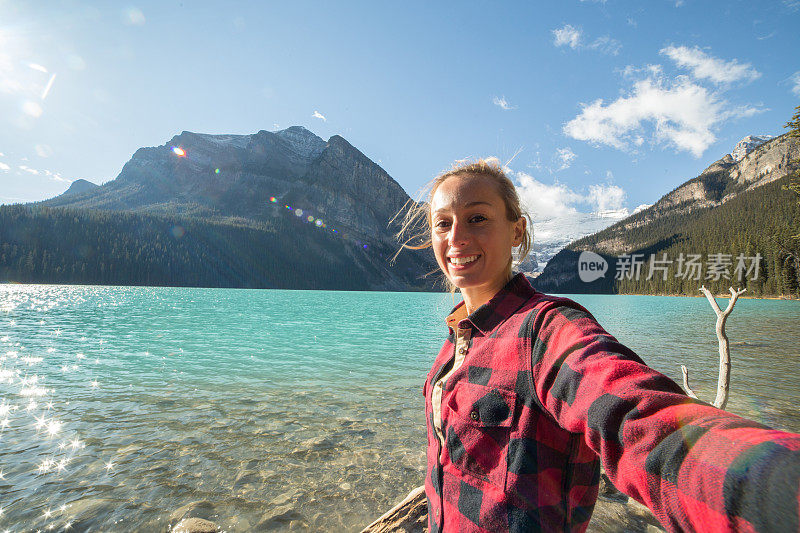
x=416, y=227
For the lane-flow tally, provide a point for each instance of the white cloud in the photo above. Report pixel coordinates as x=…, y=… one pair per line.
x=604, y=198
x=4, y=167
x=567, y=36
x=565, y=157
x=544, y=201
x=704, y=66
x=502, y=103
x=560, y=215
x=317, y=114
x=681, y=113
x=794, y=5
x=605, y=44
x=795, y=79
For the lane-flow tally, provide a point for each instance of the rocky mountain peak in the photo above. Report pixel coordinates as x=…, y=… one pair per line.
x=747, y=145
x=302, y=141
x=78, y=186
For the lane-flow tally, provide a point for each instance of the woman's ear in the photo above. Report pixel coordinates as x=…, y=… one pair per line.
x=519, y=230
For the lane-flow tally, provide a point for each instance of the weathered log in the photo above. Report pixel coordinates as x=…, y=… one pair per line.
x=409, y=516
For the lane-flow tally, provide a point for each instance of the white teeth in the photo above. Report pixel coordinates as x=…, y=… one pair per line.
x=463, y=260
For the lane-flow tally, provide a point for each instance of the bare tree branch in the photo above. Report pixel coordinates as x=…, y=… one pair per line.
x=689, y=391
x=724, y=380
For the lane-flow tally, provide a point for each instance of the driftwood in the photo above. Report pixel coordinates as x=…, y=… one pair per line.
x=724, y=380
x=409, y=516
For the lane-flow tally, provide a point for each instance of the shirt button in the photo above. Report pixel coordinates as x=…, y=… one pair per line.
x=473, y=415
x=462, y=350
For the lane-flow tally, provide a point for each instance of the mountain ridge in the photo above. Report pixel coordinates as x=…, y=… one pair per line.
x=263, y=180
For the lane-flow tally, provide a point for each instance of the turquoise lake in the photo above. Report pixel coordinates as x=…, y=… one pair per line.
x=124, y=408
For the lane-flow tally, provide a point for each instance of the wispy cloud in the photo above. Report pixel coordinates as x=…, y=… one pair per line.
x=704, y=66
x=133, y=17
x=29, y=170
x=43, y=150
x=795, y=80
x=794, y=5
x=567, y=35
x=36, y=66
x=565, y=157
x=319, y=115
x=4, y=167
x=678, y=113
x=55, y=176
x=502, y=103
x=606, y=45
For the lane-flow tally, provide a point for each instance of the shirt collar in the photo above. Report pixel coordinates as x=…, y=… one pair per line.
x=501, y=306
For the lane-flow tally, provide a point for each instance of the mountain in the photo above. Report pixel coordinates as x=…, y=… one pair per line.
x=553, y=235
x=78, y=186
x=733, y=207
x=318, y=204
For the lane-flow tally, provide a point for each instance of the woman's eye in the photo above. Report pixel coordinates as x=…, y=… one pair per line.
x=442, y=224
x=477, y=218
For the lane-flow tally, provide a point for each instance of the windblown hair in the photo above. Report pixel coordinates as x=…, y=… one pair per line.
x=416, y=224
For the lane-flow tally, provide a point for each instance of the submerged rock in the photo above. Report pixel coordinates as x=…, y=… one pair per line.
x=195, y=525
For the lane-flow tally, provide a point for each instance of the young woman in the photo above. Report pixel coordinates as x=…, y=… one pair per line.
x=529, y=394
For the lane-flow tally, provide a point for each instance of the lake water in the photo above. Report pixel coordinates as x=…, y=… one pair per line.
x=123, y=408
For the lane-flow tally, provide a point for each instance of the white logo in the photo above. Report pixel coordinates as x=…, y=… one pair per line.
x=591, y=267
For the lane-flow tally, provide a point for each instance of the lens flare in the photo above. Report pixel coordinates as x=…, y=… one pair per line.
x=310, y=218
x=298, y=212
x=272, y=199
x=216, y=171
x=180, y=152
x=318, y=223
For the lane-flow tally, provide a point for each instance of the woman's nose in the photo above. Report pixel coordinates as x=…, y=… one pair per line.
x=459, y=234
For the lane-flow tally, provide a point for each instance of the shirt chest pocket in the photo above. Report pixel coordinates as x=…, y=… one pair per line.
x=479, y=421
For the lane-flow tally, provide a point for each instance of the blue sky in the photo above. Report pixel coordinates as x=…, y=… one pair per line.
x=610, y=104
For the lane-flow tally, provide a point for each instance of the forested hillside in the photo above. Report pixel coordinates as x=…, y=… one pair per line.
x=81, y=246
x=759, y=221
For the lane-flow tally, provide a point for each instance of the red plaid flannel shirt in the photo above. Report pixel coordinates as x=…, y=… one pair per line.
x=544, y=392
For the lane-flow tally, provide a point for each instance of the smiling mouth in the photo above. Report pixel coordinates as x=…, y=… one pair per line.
x=461, y=261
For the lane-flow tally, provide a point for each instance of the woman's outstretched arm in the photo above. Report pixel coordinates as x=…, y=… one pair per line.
x=696, y=467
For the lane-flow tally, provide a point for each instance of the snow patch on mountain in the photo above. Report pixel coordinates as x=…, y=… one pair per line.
x=748, y=144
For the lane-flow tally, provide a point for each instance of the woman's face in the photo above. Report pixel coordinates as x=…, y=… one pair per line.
x=472, y=237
